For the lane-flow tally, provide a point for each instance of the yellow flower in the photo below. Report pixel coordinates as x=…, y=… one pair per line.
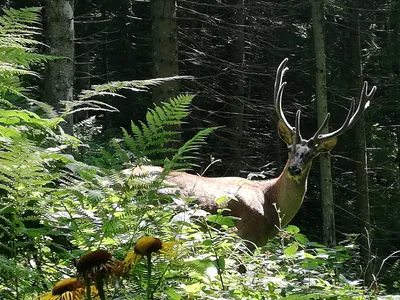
x=99, y=262
x=147, y=245
x=144, y=247
x=68, y=289
x=131, y=260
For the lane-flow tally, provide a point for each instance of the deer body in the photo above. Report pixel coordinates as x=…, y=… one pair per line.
x=255, y=203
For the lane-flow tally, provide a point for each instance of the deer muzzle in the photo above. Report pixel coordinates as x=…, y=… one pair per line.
x=294, y=170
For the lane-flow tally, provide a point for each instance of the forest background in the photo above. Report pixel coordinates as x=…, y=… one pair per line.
x=227, y=53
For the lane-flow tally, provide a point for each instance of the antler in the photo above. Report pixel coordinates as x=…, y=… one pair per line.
x=351, y=118
x=278, y=92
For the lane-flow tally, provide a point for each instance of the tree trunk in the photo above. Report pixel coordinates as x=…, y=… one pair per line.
x=236, y=106
x=360, y=156
x=394, y=68
x=82, y=75
x=59, y=76
x=164, y=48
x=329, y=235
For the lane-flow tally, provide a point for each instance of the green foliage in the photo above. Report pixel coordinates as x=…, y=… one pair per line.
x=18, y=31
x=110, y=211
x=90, y=208
x=54, y=208
x=155, y=139
x=111, y=88
x=29, y=157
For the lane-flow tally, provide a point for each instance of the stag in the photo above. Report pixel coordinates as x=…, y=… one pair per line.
x=263, y=206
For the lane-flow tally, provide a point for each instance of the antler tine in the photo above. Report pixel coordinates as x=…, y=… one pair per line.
x=322, y=127
x=298, y=133
x=352, y=116
x=343, y=128
x=280, y=72
x=365, y=98
x=278, y=92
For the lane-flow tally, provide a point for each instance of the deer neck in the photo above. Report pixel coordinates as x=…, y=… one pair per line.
x=290, y=193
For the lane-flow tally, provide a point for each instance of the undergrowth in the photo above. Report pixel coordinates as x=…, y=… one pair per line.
x=54, y=207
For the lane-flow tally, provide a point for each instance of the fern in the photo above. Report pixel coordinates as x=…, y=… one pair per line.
x=28, y=156
x=179, y=160
x=17, y=45
x=111, y=88
x=153, y=138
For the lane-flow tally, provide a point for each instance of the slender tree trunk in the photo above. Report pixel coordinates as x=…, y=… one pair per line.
x=104, y=53
x=360, y=156
x=59, y=30
x=164, y=47
x=236, y=106
x=329, y=235
x=82, y=75
x=394, y=73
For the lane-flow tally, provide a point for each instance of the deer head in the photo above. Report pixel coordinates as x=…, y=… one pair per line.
x=303, y=151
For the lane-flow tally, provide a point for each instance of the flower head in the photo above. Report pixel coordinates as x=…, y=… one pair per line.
x=68, y=289
x=145, y=246
x=99, y=262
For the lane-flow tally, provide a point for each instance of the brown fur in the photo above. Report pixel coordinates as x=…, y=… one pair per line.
x=251, y=201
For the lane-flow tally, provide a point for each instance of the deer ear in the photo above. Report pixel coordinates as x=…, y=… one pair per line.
x=327, y=145
x=285, y=133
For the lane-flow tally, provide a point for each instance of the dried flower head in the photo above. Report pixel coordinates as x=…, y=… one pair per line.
x=117, y=268
x=145, y=246
x=68, y=289
x=99, y=262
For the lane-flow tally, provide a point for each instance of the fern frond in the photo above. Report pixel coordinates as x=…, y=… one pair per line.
x=133, y=85
x=6, y=103
x=72, y=107
x=18, y=17
x=191, y=145
x=47, y=109
x=17, y=42
x=152, y=137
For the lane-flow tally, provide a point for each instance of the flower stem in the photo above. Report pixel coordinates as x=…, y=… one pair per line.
x=88, y=289
x=217, y=257
x=149, y=292
x=100, y=287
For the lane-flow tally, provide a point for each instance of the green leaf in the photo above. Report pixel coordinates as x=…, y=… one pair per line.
x=311, y=265
x=315, y=245
x=223, y=201
x=95, y=196
x=172, y=294
x=292, y=229
x=291, y=250
x=222, y=220
x=220, y=263
x=301, y=238
x=199, y=264
x=271, y=287
x=34, y=232
x=207, y=242
x=193, y=288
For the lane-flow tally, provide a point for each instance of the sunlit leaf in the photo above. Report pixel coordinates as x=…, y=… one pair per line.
x=291, y=250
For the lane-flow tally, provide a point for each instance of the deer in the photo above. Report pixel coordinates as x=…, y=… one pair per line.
x=262, y=207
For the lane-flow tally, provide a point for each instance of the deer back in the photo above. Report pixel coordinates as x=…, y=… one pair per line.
x=250, y=201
